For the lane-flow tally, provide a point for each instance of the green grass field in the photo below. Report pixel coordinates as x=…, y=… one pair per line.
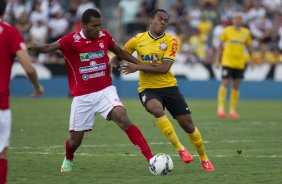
x=40, y=127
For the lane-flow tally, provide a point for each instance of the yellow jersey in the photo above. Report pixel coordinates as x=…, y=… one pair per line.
x=234, y=45
x=154, y=50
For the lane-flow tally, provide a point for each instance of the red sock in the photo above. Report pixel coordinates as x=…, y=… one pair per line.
x=69, y=151
x=139, y=141
x=3, y=170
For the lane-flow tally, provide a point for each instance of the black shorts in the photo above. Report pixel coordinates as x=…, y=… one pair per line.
x=170, y=97
x=228, y=72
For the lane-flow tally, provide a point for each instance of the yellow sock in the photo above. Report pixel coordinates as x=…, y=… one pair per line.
x=221, y=97
x=168, y=130
x=196, y=140
x=234, y=97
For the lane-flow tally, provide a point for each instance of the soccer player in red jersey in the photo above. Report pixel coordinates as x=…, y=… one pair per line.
x=90, y=83
x=11, y=45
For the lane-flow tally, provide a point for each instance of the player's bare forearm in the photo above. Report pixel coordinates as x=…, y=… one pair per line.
x=146, y=67
x=123, y=55
x=45, y=48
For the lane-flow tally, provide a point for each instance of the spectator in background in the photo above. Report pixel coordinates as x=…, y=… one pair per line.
x=39, y=32
x=150, y=5
x=256, y=11
x=84, y=5
x=261, y=29
x=23, y=25
x=141, y=20
x=37, y=14
x=127, y=10
x=50, y=8
x=58, y=26
x=194, y=14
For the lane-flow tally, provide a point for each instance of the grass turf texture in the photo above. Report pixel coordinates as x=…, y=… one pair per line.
x=40, y=127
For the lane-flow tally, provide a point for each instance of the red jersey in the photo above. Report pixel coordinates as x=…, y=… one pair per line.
x=11, y=41
x=87, y=61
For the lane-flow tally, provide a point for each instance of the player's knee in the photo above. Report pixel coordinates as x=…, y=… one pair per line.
x=157, y=112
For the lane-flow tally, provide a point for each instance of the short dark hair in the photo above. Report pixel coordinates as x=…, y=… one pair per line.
x=2, y=7
x=88, y=14
x=154, y=12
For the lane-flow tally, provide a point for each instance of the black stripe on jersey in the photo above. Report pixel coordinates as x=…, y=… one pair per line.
x=168, y=59
x=157, y=37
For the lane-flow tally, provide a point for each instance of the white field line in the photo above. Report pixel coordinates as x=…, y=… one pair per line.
x=120, y=145
x=134, y=155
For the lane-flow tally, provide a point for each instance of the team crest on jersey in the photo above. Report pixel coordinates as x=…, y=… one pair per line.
x=76, y=38
x=244, y=36
x=101, y=44
x=1, y=29
x=163, y=46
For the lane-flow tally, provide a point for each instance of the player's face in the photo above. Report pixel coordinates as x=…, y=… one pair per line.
x=237, y=20
x=93, y=27
x=159, y=23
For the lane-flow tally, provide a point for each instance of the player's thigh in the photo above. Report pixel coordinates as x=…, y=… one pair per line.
x=82, y=113
x=109, y=99
x=5, y=128
x=174, y=102
x=151, y=99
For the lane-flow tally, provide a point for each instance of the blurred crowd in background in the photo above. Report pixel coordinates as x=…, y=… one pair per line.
x=196, y=24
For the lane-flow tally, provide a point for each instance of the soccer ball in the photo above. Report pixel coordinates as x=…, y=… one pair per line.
x=161, y=164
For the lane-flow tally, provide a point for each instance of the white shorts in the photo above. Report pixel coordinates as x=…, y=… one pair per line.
x=5, y=128
x=84, y=108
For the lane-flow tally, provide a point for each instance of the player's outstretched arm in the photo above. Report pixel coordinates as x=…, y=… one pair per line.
x=122, y=55
x=26, y=63
x=45, y=48
x=162, y=68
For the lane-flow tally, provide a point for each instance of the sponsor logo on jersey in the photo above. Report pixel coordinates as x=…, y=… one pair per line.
x=91, y=55
x=94, y=75
x=76, y=37
x=91, y=68
x=173, y=48
x=101, y=34
x=150, y=57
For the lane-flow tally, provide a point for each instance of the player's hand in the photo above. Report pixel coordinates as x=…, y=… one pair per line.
x=114, y=62
x=32, y=46
x=127, y=68
x=38, y=91
x=217, y=64
x=252, y=65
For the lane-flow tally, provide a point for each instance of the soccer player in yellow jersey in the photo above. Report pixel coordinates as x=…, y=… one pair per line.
x=233, y=41
x=158, y=87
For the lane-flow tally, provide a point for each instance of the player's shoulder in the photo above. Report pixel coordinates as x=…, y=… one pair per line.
x=245, y=29
x=169, y=36
x=11, y=29
x=228, y=28
x=141, y=35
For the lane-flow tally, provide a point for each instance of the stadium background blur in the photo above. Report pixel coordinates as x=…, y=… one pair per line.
x=196, y=24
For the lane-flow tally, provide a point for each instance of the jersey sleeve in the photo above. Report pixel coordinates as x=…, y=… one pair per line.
x=17, y=42
x=64, y=41
x=130, y=45
x=111, y=41
x=172, y=47
x=223, y=36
